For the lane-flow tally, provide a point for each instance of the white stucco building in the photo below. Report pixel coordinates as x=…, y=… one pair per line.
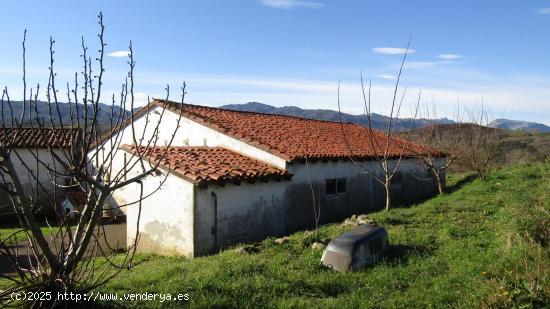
x=235, y=177
x=33, y=152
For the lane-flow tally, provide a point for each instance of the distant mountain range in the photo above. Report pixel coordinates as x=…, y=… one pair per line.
x=106, y=113
x=378, y=121
x=104, y=116
x=519, y=125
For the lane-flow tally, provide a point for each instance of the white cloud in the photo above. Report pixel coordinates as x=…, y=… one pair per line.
x=392, y=50
x=119, y=54
x=449, y=56
x=445, y=84
x=141, y=98
x=390, y=77
x=499, y=94
x=291, y=4
x=543, y=11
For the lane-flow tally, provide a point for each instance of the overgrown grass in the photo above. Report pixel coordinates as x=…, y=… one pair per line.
x=486, y=244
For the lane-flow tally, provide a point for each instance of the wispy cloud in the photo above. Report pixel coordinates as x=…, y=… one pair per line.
x=392, y=50
x=390, y=77
x=119, y=54
x=449, y=56
x=500, y=93
x=320, y=94
x=291, y=4
x=543, y=11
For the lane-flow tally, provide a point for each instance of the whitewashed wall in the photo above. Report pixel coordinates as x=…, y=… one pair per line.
x=179, y=219
x=166, y=219
x=167, y=216
x=40, y=172
x=191, y=133
x=245, y=213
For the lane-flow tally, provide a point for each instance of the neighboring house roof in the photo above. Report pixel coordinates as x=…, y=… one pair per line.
x=39, y=138
x=205, y=165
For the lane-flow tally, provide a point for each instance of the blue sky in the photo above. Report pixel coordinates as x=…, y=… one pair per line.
x=289, y=52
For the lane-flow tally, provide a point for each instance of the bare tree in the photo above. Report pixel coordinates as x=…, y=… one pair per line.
x=446, y=139
x=63, y=261
x=388, y=149
x=483, y=143
x=316, y=202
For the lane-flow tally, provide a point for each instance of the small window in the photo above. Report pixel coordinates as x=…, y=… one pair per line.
x=330, y=186
x=335, y=186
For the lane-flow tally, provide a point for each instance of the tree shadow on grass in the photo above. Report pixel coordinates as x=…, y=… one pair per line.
x=459, y=184
x=448, y=190
x=400, y=254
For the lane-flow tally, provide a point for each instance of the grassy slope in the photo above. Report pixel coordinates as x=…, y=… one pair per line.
x=523, y=147
x=487, y=243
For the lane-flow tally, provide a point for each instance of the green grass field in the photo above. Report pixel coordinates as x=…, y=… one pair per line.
x=484, y=244
x=15, y=233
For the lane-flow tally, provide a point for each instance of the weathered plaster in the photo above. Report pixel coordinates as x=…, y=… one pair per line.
x=181, y=219
x=245, y=213
x=166, y=219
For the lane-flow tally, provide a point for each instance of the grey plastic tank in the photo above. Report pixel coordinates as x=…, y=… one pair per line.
x=353, y=250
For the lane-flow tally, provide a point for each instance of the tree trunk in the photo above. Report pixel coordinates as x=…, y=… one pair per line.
x=439, y=185
x=29, y=221
x=481, y=174
x=437, y=175
x=387, y=185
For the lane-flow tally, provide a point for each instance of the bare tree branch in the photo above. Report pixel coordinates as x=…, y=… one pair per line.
x=78, y=160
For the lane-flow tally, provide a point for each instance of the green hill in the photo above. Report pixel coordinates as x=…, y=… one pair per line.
x=483, y=244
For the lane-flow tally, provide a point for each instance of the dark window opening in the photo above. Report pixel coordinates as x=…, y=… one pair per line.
x=335, y=186
x=330, y=186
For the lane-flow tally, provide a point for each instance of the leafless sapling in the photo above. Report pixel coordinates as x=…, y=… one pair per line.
x=388, y=149
x=446, y=140
x=57, y=253
x=483, y=143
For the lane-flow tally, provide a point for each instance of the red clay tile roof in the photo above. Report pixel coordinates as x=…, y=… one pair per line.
x=40, y=138
x=294, y=138
x=205, y=165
